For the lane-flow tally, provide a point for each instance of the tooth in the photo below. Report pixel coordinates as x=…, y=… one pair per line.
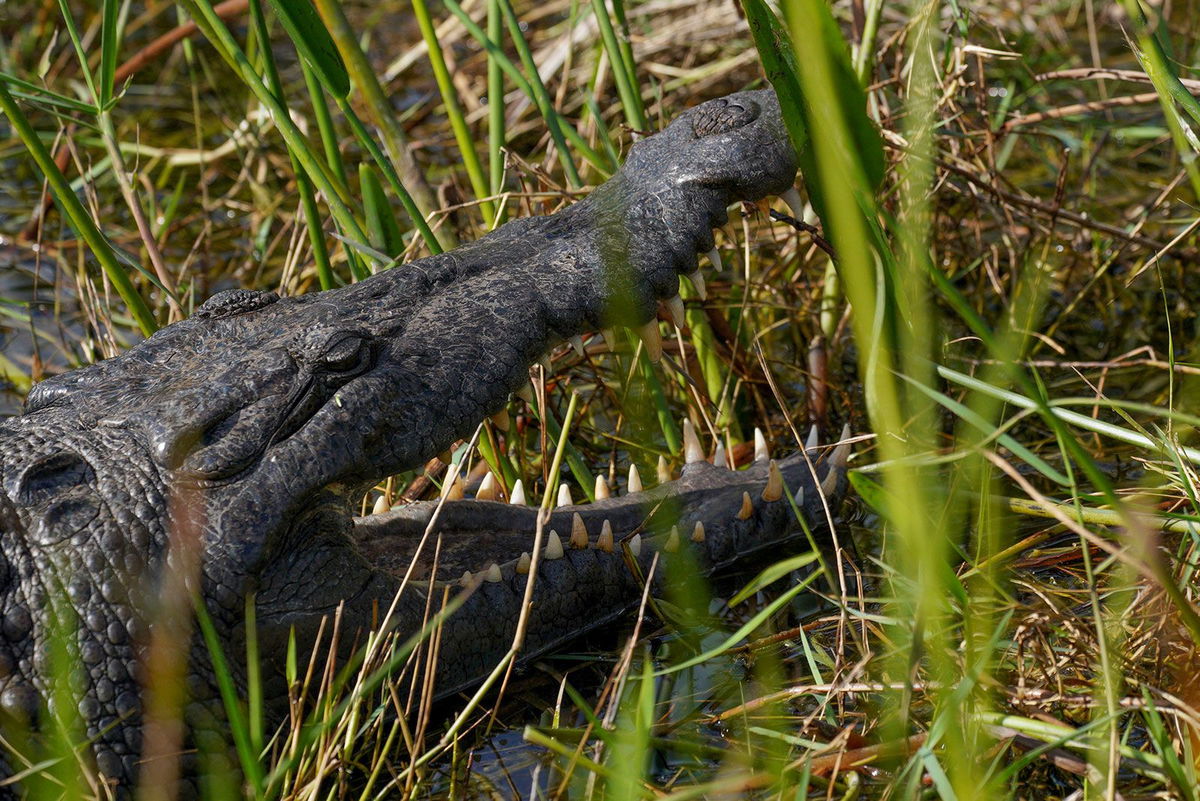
x=672, y=543
x=652, y=339
x=692, y=452
x=774, y=489
x=523, y=564
x=698, y=532
x=493, y=573
x=663, y=470
x=381, y=505
x=487, y=488
x=793, y=201
x=500, y=420
x=635, y=479
x=452, y=488
x=846, y=445
x=525, y=393
x=675, y=310
x=761, y=451
x=605, y=541
x=564, y=496
x=747, y=507
x=577, y=343
x=602, y=488
x=719, y=456
x=635, y=546
x=517, y=498
x=697, y=278
x=579, y=533
x=829, y=482
x=466, y=579
x=814, y=438
x=554, y=549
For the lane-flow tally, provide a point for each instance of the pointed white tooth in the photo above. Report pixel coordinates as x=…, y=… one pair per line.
x=579, y=533
x=488, y=490
x=840, y=456
x=564, y=496
x=523, y=563
x=554, y=549
x=698, y=532
x=663, y=470
x=675, y=310
x=652, y=339
x=793, y=201
x=577, y=344
x=774, y=489
x=814, y=438
x=381, y=505
x=761, y=451
x=829, y=482
x=602, y=488
x=635, y=546
x=719, y=458
x=697, y=278
x=517, y=498
x=635, y=479
x=692, y=452
x=605, y=541
x=500, y=420
x=841, y=452
x=493, y=573
x=747, y=507
x=452, y=487
x=466, y=579
x=525, y=393
x=672, y=543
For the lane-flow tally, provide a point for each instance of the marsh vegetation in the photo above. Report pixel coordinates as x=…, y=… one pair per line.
x=990, y=287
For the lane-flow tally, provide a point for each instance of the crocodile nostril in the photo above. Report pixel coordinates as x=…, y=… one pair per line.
x=722, y=115
x=50, y=475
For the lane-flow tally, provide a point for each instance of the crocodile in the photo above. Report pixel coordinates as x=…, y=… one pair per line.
x=238, y=444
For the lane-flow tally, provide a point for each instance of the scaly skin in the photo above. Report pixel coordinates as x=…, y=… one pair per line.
x=253, y=428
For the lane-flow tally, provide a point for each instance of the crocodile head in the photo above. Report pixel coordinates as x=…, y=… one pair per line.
x=252, y=428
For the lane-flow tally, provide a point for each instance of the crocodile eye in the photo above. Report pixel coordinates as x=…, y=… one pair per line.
x=349, y=354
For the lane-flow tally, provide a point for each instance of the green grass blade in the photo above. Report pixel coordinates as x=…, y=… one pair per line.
x=238, y=728
x=336, y=193
x=395, y=142
x=541, y=96
x=382, y=228
x=454, y=113
x=79, y=217
x=389, y=172
x=314, y=43
x=624, y=74
x=555, y=122
x=80, y=52
x=495, y=96
x=110, y=46
x=308, y=200
x=36, y=94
